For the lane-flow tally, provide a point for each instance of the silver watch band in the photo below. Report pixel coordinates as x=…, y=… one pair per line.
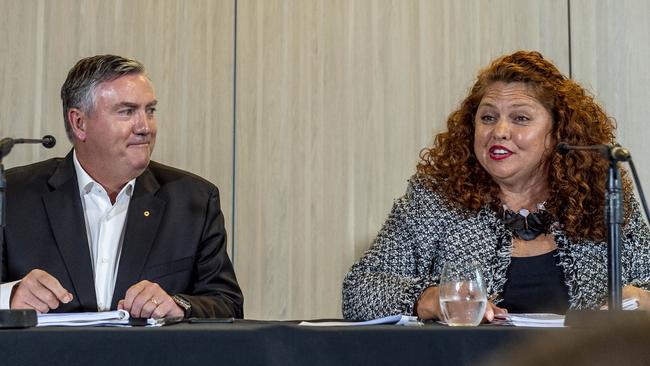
x=184, y=304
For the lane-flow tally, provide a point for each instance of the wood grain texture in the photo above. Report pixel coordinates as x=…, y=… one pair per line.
x=335, y=99
x=610, y=53
x=187, y=47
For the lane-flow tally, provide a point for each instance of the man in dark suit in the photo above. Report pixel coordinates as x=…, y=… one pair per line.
x=105, y=228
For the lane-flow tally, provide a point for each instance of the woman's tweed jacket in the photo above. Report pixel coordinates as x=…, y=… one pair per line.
x=423, y=231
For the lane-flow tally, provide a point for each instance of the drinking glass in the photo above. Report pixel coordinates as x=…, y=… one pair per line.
x=462, y=294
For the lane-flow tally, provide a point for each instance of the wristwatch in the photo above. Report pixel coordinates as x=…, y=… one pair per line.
x=184, y=304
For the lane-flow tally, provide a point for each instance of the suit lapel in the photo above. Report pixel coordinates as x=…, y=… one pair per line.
x=144, y=217
x=64, y=210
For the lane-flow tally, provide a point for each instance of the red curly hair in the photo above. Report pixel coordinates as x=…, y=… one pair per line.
x=576, y=180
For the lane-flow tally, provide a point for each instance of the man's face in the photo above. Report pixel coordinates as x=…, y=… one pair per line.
x=116, y=139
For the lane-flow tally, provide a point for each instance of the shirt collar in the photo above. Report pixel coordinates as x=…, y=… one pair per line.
x=86, y=182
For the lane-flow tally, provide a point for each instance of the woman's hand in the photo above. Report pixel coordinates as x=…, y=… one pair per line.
x=638, y=293
x=491, y=310
x=428, y=306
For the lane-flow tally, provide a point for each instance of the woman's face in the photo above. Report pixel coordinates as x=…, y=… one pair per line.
x=512, y=135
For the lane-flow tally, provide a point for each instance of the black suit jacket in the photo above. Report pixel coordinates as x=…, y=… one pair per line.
x=174, y=236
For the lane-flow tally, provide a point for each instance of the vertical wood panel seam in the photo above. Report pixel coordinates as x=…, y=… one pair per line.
x=39, y=81
x=234, y=136
x=569, y=36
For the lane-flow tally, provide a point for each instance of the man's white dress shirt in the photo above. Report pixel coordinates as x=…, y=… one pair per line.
x=105, y=229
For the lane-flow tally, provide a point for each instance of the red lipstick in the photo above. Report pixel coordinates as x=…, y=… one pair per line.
x=498, y=152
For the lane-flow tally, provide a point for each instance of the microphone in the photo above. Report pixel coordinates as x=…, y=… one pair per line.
x=619, y=153
x=48, y=141
x=563, y=148
x=7, y=143
x=614, y=152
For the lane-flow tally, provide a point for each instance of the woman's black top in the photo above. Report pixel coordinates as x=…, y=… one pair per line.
x=535, y=285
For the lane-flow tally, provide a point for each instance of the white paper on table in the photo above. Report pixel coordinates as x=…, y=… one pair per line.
x=630, y=303
x=545, y=320
x=115, y=318
x=393, y=319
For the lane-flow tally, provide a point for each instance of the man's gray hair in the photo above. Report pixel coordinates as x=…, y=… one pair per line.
x=78, y=90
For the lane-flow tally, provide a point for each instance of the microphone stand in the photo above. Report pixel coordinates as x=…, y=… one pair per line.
x=10, y=318
x=6, y=144
x=613, y=216
x=14, y=318
x=3, y=187
x=614, y=220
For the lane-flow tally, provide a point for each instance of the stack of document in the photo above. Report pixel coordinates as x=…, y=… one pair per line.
x=628, y=304
x=117, y=318
x=549, y=320
x=393, y=319
x=114, y=318
x=545, y=320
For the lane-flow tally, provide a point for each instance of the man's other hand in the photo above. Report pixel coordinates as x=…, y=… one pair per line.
x=146, y=299
x=40, y=291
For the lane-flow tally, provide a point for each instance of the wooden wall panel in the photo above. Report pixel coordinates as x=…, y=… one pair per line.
x=21, y=74
x=187, y=47
x=610, y=53
x=335, y=98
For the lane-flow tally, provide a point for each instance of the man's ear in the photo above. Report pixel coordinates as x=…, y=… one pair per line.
x=77, y=121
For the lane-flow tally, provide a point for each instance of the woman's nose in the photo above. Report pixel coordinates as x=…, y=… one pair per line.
x=501, y=130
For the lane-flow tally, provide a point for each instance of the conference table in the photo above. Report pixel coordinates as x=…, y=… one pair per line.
x=251, y=342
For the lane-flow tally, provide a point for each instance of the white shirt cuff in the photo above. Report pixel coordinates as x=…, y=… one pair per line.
x=5, y=294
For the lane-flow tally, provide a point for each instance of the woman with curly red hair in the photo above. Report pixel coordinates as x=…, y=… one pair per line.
x=493, y=190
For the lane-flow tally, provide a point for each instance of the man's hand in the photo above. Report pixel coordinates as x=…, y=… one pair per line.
x=40, y=291
x=148, y=300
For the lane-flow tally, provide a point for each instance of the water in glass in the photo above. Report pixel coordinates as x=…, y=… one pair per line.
x=462, y=294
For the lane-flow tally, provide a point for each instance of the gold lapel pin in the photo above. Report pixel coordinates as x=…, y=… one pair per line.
x=146, y=214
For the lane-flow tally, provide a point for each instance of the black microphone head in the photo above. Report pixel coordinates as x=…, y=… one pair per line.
x=563, y=148
x=48, y=141
x=619, y=153
x=6, y=144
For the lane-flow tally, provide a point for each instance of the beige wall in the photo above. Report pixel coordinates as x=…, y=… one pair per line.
x=334, y=101
x=187, y=47
x=611, y=52
x=316, y=109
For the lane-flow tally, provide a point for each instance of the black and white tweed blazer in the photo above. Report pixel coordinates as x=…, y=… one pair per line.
x=424, y=230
